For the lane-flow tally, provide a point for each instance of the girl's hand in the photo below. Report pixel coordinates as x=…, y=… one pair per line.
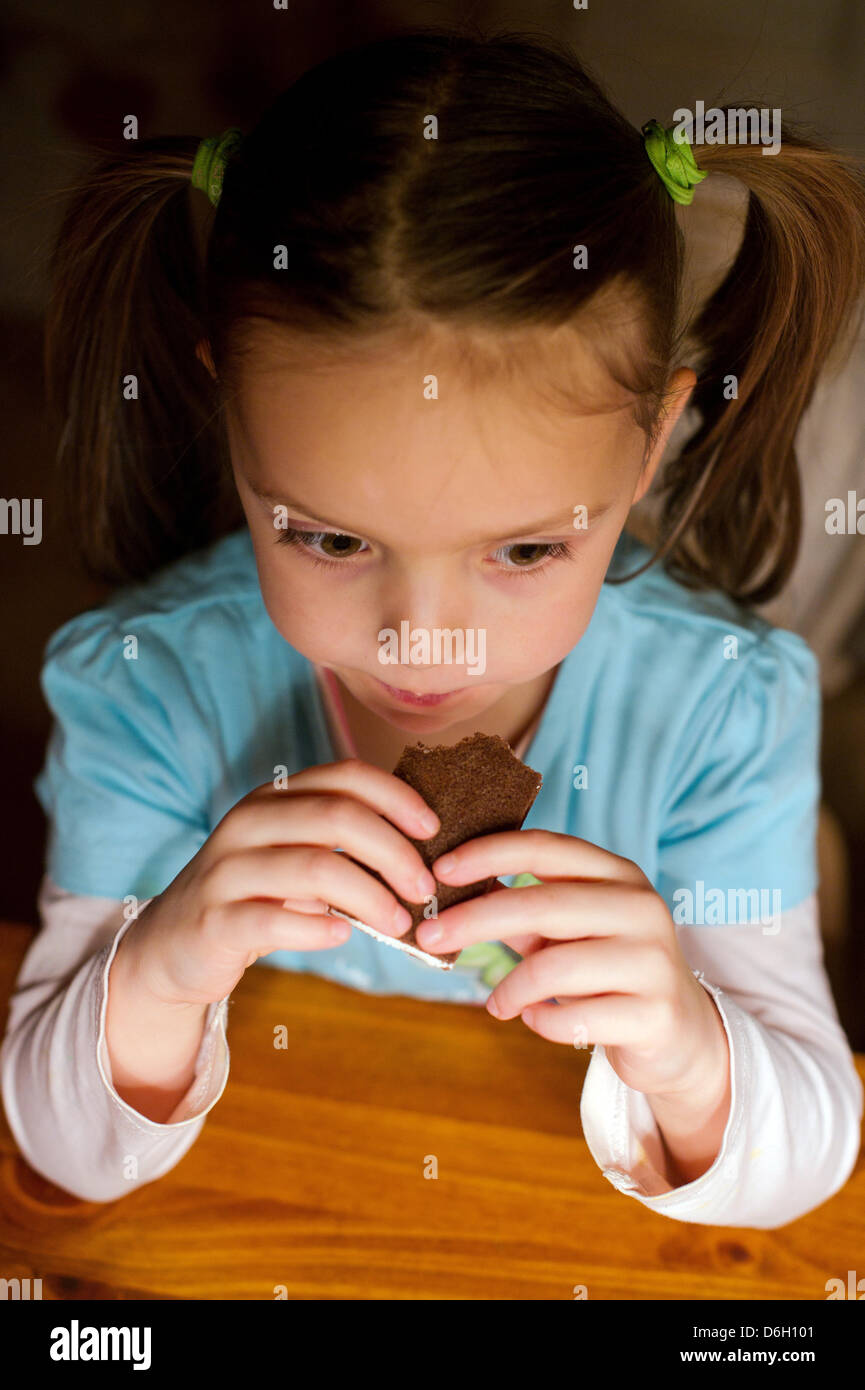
x=596, y=937
x=264, y=879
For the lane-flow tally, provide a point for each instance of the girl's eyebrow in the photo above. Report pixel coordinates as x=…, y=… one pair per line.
x=560, y=519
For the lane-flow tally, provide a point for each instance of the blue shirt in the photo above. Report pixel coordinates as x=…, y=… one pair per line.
x=178, y=696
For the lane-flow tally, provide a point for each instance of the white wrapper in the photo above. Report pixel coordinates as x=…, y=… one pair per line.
x=394, y=941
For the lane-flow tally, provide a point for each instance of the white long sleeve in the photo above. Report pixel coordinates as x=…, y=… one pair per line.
x=66, y=1117
x=793, y=1133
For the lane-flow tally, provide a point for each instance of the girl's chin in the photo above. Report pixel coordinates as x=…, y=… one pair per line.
x=419, y=724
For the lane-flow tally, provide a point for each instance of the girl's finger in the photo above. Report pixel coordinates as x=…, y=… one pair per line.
x=613, y=1021
x=524, y=945
x=526, y=942
x=316, y=906
x=339, y=822
x=289, y=872
x=580, y=968
x=545, y=853
x=383, y=793
x=256, y=928
x=556, y=911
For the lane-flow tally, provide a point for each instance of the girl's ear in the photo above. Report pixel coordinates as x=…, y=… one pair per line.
x=202, y=352
x=679, y=389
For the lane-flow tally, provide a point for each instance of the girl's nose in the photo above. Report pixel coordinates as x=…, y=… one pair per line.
x=426, y=601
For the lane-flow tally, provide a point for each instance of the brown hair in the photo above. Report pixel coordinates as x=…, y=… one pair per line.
x=475, y=230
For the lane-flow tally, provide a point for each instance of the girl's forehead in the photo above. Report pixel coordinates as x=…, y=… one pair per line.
x=562, y=368
x=375, y=465
x=379, y=433
x=380, y=404
x=382, y=419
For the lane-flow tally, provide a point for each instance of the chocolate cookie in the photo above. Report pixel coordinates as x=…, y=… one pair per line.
x=476, y=787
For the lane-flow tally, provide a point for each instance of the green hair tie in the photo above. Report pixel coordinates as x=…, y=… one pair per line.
x=210, y=161
x=674, y=161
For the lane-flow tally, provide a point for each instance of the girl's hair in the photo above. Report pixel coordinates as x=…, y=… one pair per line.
x=383, y=232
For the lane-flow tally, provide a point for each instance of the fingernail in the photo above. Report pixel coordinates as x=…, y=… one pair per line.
x=426, y=884
x=445, y=865
x=428, y=822
x=431, y=935
x=401, y=918
x=492, y=1007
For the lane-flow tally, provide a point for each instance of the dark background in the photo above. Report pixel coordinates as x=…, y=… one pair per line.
x=67, y=79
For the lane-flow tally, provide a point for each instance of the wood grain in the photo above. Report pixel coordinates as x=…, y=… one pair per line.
x=309, y=1174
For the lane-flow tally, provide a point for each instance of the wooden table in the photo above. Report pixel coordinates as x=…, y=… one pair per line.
x=309, y=1174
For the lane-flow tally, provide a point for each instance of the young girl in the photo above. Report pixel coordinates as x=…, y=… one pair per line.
x=432, y=363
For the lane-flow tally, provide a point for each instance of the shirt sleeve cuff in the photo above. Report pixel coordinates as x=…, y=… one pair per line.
x=211, y=1063
x=625, y=1141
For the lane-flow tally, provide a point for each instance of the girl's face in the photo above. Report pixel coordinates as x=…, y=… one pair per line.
x=385, y=518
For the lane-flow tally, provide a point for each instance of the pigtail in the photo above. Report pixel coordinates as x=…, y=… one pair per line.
x=731, y=511
x=143, y=472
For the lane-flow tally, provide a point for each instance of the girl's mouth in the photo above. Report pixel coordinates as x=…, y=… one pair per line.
x=408, y=697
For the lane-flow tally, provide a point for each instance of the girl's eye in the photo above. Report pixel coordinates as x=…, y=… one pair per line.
x=342, y=544
x=528, y=555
